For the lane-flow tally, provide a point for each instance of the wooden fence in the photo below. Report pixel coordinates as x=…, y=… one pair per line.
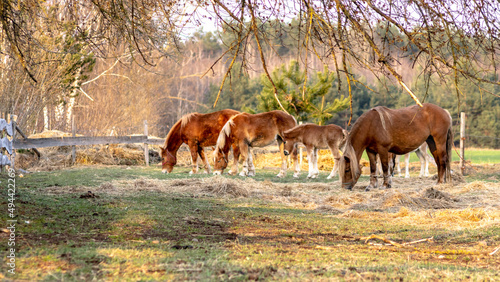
x=33, y=143
x=28, y=143
x=6, y=130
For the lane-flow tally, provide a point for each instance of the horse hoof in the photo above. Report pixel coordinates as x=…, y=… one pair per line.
x=295, y=176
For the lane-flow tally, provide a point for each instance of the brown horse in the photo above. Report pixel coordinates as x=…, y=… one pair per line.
x=247, y=130
x=316, y=137
x=383, y=131
x=197, y=131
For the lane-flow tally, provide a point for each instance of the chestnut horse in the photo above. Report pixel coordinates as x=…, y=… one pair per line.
x=197, y=131
x=383, y=131
x=258, y=130
x=315, y=137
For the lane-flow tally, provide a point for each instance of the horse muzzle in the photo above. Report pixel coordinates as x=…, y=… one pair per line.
x=348, y=185
x=164, y=171
x=217, y=172
x=286, y=152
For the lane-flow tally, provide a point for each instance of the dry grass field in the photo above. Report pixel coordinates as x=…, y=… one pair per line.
x=121, y=222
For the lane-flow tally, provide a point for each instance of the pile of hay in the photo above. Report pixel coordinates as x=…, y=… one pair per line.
x=52, y=134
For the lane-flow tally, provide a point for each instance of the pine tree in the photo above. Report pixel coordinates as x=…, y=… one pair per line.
x=305, y=101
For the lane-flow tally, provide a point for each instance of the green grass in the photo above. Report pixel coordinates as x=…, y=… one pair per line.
x=473, y=155
x=161, y=235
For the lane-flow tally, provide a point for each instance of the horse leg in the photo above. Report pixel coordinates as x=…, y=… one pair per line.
x=282, y=172
x=397, y=161
x=384, y=160
x=296, y=164
x=407, y=165
x=315, y=163
x=251, y=167
x=193, y=149
x=336, y=157
x=426, y=169
x=427, y=157
x=378, y=169
x=244, y=155
x=201, y=153
x=310, y=160
x=372, y=156
x=421, y=158
x=236, y=157
x=438, y=150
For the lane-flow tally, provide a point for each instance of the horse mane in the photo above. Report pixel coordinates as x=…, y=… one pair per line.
x=185, y=119
x=351, y=154
x=178, y=126
x=381, y=111
x=224, y=133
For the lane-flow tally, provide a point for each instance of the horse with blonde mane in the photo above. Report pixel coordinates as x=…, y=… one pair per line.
x=252, y=130
x=197, y=131
x=315, y=137
x=383, y=131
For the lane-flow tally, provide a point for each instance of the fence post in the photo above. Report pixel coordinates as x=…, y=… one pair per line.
x=462, y=142
x=73, y=133
x=146, y=149
x=13, y=119
x=300, y=152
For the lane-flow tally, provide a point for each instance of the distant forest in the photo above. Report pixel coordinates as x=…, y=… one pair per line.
x=117, y=95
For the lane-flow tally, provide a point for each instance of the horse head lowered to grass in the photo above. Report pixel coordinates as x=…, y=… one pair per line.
x=197, y=131
x=383, y=131
x=252, y=130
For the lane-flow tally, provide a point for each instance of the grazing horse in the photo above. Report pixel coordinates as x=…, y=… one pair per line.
x=383, y=131
x=316, y=137
x=246, y=130
x=197, y=131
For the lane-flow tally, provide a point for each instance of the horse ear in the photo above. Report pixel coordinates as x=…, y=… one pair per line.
x=162, y=148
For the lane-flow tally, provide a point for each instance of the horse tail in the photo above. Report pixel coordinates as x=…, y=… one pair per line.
x=449, y=145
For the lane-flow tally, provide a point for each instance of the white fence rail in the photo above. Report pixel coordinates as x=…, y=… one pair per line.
x=6, y=137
